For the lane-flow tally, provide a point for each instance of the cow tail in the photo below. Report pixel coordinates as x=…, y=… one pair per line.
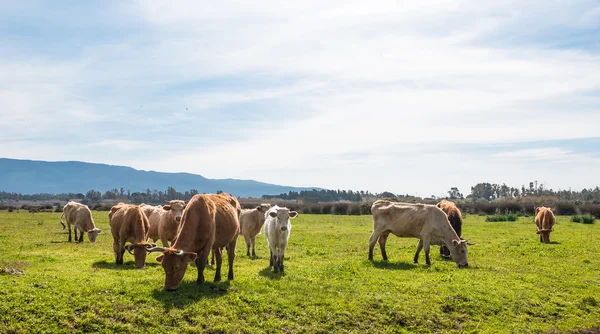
x=61, y=216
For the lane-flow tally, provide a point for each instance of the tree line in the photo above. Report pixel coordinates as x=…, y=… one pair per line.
x=482, y=192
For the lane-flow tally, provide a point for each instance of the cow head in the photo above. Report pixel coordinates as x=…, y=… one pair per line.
x=176, y=207
x=458, y=251
x=139, y=252
x=282, y=217
x=263, y=207
x=175, y=263
x=93, y=233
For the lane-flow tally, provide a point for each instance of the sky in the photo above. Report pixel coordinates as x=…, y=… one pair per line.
x=402, y=96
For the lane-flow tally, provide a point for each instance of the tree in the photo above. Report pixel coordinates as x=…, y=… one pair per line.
x=454, y=193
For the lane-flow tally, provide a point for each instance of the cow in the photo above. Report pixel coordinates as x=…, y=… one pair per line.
x=80, y=216
x=164, y=221
x=209, y=222
x=251, y=222
x=129, y=224
x=277, y=231
x=428, y=223
x=455, y=218
x=544, y=220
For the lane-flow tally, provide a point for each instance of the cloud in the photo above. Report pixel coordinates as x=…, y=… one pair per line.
x=335, y=94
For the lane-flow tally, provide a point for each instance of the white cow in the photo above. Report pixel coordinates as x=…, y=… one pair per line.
x=277, y=231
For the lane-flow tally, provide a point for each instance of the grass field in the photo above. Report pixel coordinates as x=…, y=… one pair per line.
x=515, y=283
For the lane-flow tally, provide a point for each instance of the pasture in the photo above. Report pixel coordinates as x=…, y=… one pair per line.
x=515, y=283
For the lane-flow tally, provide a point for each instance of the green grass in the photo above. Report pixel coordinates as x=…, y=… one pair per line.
x=511, y=217
x=515, y=284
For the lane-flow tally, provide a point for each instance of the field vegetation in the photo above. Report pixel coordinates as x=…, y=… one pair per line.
x=514, y=284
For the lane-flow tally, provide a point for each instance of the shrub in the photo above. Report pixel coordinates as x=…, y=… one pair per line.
x=365, y=208
x=564, y=209
x=340, y=209
x=586, y=219
x=305, y=210
x=592, y=209
x=326, y=209
x=315, y=209
x=354, y=210
x=11, y=209
x=58, y=209
x=576, y=219
x=511, y=217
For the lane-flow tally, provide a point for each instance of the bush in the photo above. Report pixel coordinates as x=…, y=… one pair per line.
x=511, y=217
x=592, y=209
x=11, y=209
x=326, y=209
x=365, y=208
x=586, y=219
x=564, y=209
x=305, y=210
x=354, y=210
x=315, y=209
x=340, y=209
x=58, y=209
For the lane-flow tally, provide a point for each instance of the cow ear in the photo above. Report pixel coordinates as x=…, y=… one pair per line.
x=293, y=214
x=456, y=242
x=189, y=256
x=167, y=207
x=160, y=258
x=273, y=214
x=259, y=208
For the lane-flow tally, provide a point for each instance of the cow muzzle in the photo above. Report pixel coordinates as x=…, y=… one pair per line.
x=284, y=228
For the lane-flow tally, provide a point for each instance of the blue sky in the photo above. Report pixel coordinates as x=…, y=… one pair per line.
x=409, y=98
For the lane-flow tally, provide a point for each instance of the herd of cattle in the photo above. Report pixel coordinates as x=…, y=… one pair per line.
x=212, y=222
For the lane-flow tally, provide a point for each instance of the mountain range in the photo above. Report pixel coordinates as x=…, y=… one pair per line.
x=31, y=177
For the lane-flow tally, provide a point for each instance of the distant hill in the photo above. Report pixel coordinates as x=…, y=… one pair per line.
x=31, y=177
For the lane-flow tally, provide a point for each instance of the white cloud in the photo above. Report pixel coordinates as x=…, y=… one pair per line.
x=364, y=90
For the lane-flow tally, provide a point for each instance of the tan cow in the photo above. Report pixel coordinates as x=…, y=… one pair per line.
x=427, y=223
x=129, y=224
x=80, y=217
x=544, y=220
x=251, y=221
x=209, y=222
x=164, y=221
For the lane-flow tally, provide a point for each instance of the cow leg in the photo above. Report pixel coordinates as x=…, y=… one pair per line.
x=419, y=247
x=75, y=232
x=217, y=253
x=372, y=241
x=541, y=238
x=426, y=248
x=270, y=257
x=212, y=259
x=230, y=258
x=253, y=241
x=80, y=236
x=69, y=228
x=120, y=251
x=546, y=237
x=281, y=260
x=382, y=240
x=164, y=240
x=444, y=251
x=276, y=261
x=201, y=262
x=116, y=250
x=248, y=241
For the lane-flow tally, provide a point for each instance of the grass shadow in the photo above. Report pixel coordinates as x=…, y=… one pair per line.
x=190, y=292
x=268, y=272
x=129, y=265
x=395, y=265
x=554, y=243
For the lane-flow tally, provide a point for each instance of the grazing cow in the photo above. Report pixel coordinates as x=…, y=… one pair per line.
x=544, y=220
x=209, y=222
x=80, y=217
x=455, y=218
x=251, y=221
x=428, y=223
x=277, y=231
x=164, y=221
x=129, y=224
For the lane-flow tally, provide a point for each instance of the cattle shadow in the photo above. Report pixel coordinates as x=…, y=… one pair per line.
x=268, y=273
x=395, y=265
x=129, y=265
x=554, y=243
x=190, y=292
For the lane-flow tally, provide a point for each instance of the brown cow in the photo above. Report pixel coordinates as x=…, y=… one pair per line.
x=209, y=222
x=129, y=224
x=428, y=223
x=455, y=218
x=544, y=220
x=251, y=221
x=80, y=217
x=164, y=221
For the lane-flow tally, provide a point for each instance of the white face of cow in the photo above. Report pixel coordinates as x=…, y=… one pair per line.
x=176, y=208
x=93, y=233
x=282, y=218
x=458, y=251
